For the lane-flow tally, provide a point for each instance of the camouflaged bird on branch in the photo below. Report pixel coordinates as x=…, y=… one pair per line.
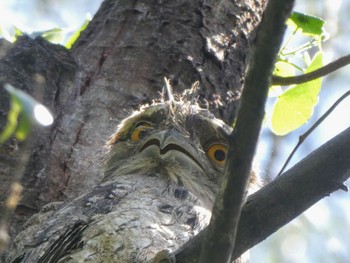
x=161, y=175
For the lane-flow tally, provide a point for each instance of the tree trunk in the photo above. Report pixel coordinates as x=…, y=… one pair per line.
x=118, y=63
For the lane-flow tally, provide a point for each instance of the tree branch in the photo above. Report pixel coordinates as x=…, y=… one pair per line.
x=318, y=175
x=303, y=137
x=321, y=72
x=220, y=237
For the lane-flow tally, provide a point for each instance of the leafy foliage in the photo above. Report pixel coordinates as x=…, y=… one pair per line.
x=54, y=35
x=294, y=105
x=309, y=25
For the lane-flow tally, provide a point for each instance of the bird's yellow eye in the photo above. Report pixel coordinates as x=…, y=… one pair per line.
x=217, y=153
x=140, y=131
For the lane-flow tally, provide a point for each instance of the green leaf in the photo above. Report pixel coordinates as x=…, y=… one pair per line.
x=54, y=35
x=23, y=127
x=12, y=117
x=18, y=32
x=76, y=34
x=295, y=106
x=309, y=25
x=27, y=110
x=284, y=69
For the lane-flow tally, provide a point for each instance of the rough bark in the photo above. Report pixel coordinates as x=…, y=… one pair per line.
x=45, y=71
x=117, y=64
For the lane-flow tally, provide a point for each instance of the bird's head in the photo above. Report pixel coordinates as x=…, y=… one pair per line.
x=173, y=139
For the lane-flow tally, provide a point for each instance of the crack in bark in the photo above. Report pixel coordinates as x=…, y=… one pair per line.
x=107, y=51
x=68, y=159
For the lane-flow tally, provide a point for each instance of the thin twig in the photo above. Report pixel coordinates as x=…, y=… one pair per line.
x=303, y=137
x=318, y=73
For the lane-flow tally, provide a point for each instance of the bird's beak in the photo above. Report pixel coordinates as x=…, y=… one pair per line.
x=172, y=140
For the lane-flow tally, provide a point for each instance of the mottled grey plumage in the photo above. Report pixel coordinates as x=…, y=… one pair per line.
x=161, y=176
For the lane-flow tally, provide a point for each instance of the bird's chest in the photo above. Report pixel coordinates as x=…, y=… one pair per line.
x=141, y=219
